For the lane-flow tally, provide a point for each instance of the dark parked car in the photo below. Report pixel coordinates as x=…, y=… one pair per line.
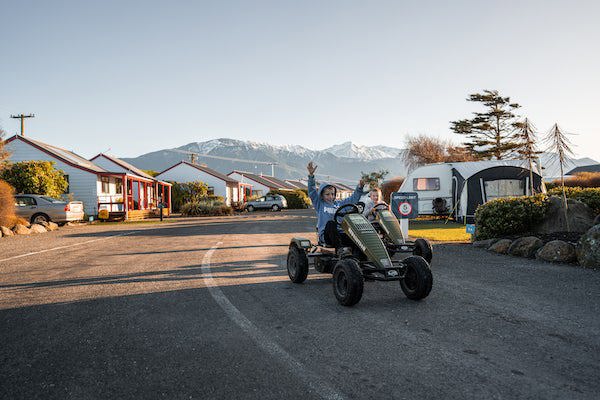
x=36, y=208
x=270, y=202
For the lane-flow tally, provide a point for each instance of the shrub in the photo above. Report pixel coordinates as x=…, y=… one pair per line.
x=581, y=179
x=187, y=192
x=35, y=177
x=508, y=216
x=7, y=205
x=588, y=196
x=296, y=199
x=205, y=207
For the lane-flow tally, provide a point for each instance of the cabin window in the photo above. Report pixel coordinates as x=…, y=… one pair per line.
x=67, y=188
x=119, y=185
x=504, y=188
x=105, y=186
x=211, y=191
x=423, y=184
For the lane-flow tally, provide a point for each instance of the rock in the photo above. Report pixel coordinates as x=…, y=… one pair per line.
x=597, y=220
x=21, y=230
x=525, y=246
x=579, y=216
x=501, y=246
x=49, y=225
x=557, y=251
x=484, y=244
x=6, y=231
x=588, y=248
x=37, y=228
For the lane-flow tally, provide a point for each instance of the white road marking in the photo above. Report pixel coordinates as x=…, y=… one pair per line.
x=65, y=247
x=312, y=380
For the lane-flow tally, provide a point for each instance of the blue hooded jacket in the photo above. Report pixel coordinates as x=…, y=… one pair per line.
x=325, y=211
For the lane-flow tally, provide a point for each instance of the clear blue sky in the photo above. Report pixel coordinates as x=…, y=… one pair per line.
x=138, y=76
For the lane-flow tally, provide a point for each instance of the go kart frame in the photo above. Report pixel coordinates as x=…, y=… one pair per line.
x=370, y=257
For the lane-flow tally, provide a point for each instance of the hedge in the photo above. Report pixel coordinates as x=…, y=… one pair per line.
x=205, y=207
x=509, y=216
x=588, y=196
x=296, y=199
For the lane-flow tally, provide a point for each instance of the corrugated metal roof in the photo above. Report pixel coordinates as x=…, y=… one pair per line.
x=268, y=181
x=63, y=154
x=125, y=165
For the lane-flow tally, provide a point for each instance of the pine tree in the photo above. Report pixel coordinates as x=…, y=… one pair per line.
x=491, y=133
x=527, y=138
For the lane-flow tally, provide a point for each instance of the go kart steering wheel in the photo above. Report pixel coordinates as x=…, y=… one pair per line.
x=343, y=211
x=380, y=206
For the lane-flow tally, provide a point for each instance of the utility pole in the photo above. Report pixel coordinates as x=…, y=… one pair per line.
x=22, y=117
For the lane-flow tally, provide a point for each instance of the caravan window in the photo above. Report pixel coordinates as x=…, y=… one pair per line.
x=420, y=184
x=504, y=188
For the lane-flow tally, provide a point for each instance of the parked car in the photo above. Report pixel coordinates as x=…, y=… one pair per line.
x=37, y=208
x=270, y=202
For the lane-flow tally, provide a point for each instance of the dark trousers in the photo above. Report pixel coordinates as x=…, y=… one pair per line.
x=333, y=237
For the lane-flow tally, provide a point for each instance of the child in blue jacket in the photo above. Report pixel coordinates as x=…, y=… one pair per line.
x=326, y=206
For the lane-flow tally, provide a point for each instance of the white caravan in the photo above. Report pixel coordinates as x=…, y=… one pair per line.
x=459, y=188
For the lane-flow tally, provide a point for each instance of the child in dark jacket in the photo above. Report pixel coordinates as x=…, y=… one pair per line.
x=325, y=206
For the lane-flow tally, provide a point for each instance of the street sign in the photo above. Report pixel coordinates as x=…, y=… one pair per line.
x=405, y=205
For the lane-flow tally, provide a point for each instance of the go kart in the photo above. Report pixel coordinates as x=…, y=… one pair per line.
x=364, y=258
x=387, y=225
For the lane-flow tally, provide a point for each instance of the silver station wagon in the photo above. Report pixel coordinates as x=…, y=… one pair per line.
x=36, y=208
x=269, y=202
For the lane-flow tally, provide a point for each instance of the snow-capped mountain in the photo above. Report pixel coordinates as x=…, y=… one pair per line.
x=342, y=162
x=351, y=150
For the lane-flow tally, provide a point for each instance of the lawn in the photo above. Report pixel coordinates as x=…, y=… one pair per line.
x=438, y=231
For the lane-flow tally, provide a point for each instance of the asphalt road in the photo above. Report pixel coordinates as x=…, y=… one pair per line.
x=203, y=309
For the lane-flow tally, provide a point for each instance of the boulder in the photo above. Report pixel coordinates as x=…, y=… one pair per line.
x=501, y=246
x=597, y=220
x=484, y=244
x=588, y=248
x=37, y=228
x=525, y=246
x=52, y=226
x=557, y=251
x=579, y=216
x=5, y=231
x=19, y=229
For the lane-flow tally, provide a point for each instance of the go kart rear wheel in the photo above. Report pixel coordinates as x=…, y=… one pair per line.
x=297, y=265
x=418, y=280
x=423, y=248
x=348, y=282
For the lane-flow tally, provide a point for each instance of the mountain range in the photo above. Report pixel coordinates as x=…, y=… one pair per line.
x=343, y=162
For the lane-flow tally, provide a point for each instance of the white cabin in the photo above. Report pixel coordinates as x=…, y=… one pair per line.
x=218, y=183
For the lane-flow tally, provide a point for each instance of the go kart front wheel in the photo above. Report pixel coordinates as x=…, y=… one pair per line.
x=423, y=248
x=348, y=282
x=418, y=280
x=297, y=265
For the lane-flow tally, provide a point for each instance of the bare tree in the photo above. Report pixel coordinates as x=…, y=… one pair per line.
x=423, y=149
x=559, y=143
x=527, y=146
